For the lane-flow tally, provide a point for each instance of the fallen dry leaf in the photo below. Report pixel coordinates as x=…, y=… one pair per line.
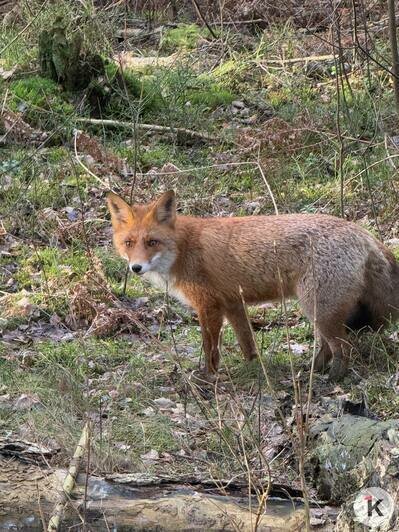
x=93, y=148
x=17, y=130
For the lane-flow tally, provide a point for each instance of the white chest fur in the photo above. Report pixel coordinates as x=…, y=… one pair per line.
x=165, y=283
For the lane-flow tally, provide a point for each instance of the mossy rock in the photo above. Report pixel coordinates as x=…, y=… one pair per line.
x=344, y=454
x=164, y=93
x=383, y=474
x=182, y=85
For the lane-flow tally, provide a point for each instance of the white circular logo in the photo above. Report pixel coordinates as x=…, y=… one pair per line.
x=373, y=507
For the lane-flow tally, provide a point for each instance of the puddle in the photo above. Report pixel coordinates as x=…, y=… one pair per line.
x=121, y=507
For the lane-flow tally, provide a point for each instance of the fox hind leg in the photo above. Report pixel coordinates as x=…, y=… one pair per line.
x=332, y=311
x=336, y=337
x=323, y=356
x=341, y=349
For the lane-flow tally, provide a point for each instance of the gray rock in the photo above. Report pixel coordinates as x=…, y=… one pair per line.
x=164, y=402
x=350, y=453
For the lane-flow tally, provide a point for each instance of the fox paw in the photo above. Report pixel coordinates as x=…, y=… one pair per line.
x=320, y=365
x=322, y=359
x=337, y=371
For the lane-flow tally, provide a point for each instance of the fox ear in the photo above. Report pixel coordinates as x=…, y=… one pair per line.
x=164, y=210
x=121, y=212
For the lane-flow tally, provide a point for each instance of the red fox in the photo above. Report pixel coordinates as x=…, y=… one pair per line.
x=343, y=277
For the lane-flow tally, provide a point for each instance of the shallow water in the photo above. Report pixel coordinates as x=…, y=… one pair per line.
x=101, y=490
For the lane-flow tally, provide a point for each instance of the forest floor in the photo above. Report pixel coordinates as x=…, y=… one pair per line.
x=76, y=344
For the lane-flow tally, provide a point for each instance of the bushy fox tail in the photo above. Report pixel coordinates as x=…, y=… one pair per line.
x=380, y=301
x=395, y=292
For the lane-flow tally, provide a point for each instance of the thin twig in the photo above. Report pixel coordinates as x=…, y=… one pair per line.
x=267, y=186
x=394, y=51
x=338, y=121
x=148, y=127
x=306, y=59
x=42, y=518
x=85, y=496
x=300, y=450
x=314, y=353
x=203, y=19
x=237, y=22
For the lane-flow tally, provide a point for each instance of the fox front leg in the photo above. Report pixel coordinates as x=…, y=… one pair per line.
x=211, y=321
x=237, y=316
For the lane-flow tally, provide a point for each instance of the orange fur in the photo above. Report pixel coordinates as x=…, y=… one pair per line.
x=214, y=264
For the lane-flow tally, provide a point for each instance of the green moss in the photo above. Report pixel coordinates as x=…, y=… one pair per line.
x=289, y=100
x=184, y=36
x=211, y=96
x=186, y=98
x=41, y=101
x=175, y=96
x=233, y=74
x=57, y=155
x=157, y=156
x=35, y=91
x=226, y=68
x=54, y=260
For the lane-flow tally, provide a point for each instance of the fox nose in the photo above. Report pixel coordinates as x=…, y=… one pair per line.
x=136, y=268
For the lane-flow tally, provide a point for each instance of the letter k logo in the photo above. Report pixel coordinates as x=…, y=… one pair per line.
x=373, y=507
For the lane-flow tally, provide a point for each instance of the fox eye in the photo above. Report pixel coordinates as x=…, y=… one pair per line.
x=128, y=243
x=151, y=243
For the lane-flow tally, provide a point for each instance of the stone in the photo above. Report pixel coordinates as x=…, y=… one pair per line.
x=351, y=453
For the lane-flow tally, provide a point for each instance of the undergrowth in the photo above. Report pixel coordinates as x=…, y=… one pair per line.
x=281, y=118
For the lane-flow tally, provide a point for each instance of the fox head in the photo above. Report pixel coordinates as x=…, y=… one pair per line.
x=145, y=234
